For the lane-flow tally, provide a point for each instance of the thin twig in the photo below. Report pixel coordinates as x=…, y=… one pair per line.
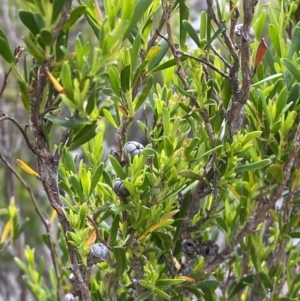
x=43, y=219
x=234, y=18
x=4, y=84
x=226, y=63
x=63, y=19
x=17, y=124
x=204, y=61
x=180, y=71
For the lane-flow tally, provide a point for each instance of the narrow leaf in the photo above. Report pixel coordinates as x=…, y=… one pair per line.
x=140, y=9
x=260, y=53
x=253, y=166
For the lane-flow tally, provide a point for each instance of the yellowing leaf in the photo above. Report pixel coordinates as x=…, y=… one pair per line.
x=91, y=239
x=295, y=179
x=53, y=216
x=160, y=224
x=153, y=52
x=57, y=86
x=28, y=169
x=251, y=178
x=6, y=231
x=176, y=263
x=234, y=192
x=186, y=278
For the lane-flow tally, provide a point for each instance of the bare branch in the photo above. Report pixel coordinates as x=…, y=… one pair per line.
x=180, y=71
x=17, y=124
x=205, y=62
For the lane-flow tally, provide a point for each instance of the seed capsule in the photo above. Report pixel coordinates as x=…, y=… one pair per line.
x=99, y=252
x=189, y=247
x=133, y=148
x=120, y=189
x=70, y=297
x=238, y=30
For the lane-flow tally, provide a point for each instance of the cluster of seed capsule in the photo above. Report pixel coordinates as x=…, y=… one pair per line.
x=131, y=149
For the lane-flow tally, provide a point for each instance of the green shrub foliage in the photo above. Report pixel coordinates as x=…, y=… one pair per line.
x=167, y=147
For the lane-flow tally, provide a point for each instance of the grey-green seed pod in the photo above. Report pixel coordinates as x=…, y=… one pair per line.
x=133, y=148
x=120, y=189
x=70, y=297
x=238, y=31
x=99, y=252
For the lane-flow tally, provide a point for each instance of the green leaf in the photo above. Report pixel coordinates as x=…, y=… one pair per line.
x=127, y=9
x=46, y=36
x=82, y=214
x=190, y=174
x=24, y=95
x=143, y=296
x=294, y=234
x=183, y=15
x=68, y=123
x=167, y=64
x=92, y=22
x=87, y=133
x=164, y=48
x=77, y=188
x=192, y=32
x=139, y=69
x=259, y=23
x=264, y=278
x=6, y=52
x=161, y=293
x=281, y=101
x=121, y=208
x=207, y=287
x=141, y=98
x=120, y=256
x=293, y=222
x=66, y=78
x=291, y=68
x=125, y=78
x=295, y=41
x=203, y=23
x=129, y=186
x=134, y=53
x=75, y=15
x=140, y=8
x=274, y=76
x=96, y=177
x=69, y=162
x=114, y=80
x=114, y=230
x=34, y=49
x=252, y=166
x=58, y=6
x=274, y=36
x=241, y=285
x=117, y=167
x=168, y=146
x=277, y=172
x=29, y=21
x=21, y=264
x=215, y=36
x=109, y=118
x=39, y=20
